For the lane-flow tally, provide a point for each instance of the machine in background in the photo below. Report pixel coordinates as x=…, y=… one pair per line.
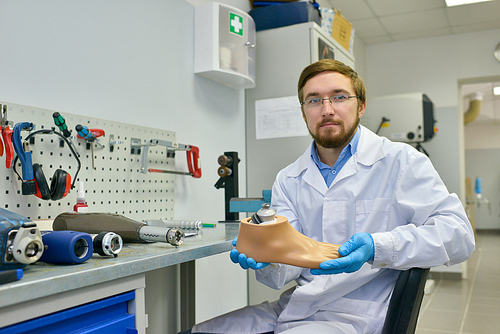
x=407, y=118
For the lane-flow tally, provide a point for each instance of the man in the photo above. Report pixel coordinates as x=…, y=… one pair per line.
x=383, y=201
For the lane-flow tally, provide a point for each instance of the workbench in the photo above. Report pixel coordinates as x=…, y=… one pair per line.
x=46, y=288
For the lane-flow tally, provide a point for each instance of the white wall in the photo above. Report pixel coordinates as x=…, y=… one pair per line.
x=482, y=154
x=484, y=163
x=434, y=66
x=484, y=136
x=132, y=61
x=360, y=58
x=129, y=61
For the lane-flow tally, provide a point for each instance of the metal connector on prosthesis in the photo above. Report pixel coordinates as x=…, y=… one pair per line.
x=265, y=215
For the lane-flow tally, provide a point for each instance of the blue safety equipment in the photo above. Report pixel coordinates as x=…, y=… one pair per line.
x=245, y=263
x=355, y=252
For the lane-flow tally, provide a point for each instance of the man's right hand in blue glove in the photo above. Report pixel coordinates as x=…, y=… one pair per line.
x=355, y=252
x=245, y=262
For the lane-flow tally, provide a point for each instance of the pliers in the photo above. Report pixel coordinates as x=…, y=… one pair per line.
x=6, y=135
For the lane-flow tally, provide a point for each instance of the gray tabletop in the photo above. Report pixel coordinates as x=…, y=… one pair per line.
x=42, y=279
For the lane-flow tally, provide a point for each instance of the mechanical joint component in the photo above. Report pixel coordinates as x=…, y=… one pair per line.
x=27, y=246
x=107, y=243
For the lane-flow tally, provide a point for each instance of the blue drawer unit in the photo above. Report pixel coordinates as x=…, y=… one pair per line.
x=108, y=315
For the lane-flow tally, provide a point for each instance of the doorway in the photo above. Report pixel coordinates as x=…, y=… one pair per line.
x=482, y=149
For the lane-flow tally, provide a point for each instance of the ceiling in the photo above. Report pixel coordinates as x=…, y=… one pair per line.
x=385, y=21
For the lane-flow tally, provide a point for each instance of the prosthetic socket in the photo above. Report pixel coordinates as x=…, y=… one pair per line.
x=269, y=238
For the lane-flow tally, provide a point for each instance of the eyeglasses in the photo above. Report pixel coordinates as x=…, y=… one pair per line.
x=316, y=102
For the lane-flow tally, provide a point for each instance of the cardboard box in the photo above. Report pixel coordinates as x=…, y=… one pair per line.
x=342, y=31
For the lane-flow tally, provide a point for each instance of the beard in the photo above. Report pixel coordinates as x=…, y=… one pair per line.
x=328, y=139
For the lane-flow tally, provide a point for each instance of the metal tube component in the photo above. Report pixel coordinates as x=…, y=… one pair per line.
x=173, y=236
x=183, y=224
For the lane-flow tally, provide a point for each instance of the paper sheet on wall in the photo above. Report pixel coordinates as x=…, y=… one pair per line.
x=279, y=118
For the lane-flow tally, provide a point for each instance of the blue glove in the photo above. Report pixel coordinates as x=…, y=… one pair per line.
x=245, y=262
x=358, y=250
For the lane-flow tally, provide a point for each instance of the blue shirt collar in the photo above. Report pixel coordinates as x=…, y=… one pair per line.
x=350, y=149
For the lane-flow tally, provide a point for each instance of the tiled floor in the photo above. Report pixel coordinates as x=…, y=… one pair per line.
x=470, y=306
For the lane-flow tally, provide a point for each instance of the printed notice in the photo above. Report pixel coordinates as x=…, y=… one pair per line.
x=279, y=118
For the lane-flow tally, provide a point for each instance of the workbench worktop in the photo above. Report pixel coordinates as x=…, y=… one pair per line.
x=41, y=280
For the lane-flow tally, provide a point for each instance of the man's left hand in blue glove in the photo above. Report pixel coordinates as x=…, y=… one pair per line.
x=355, y=252
x=245, y=263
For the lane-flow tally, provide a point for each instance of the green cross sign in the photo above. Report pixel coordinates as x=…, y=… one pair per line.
x=235, y=24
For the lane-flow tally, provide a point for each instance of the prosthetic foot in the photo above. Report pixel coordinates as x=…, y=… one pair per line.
x=279, y=242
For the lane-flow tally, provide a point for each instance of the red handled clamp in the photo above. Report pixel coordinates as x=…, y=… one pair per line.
x=7, y=138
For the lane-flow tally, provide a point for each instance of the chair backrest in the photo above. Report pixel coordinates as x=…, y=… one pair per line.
x=405, y=302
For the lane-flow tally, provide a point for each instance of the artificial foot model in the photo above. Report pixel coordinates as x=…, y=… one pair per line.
x=279, y=242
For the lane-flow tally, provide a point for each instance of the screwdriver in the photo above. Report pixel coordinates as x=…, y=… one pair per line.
x=61, y=124
x=85, y=133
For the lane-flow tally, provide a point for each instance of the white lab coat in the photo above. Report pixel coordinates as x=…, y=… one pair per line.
x=387, y=189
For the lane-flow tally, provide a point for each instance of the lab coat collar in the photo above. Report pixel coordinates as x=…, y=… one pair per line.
x=370, y=148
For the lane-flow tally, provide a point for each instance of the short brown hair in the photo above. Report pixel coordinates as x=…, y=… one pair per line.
x=333, y=66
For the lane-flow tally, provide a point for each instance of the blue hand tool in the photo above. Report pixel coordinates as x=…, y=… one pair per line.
x=29, y=185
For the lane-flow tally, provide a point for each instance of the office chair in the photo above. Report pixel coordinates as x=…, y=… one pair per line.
x=404, y=306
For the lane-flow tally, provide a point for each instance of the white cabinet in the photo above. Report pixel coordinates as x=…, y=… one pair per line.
x=224, y=47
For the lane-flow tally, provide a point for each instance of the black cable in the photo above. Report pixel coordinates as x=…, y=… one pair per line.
x=420, y=148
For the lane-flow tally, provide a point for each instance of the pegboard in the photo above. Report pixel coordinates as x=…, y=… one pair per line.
x=115, y=184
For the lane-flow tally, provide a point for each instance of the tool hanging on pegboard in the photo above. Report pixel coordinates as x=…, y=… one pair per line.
x=193, y=157
x=23, y=153
x=60, y=122
x=114, y=185
x=7, y=138
x=33, y=178
x=90, y=136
